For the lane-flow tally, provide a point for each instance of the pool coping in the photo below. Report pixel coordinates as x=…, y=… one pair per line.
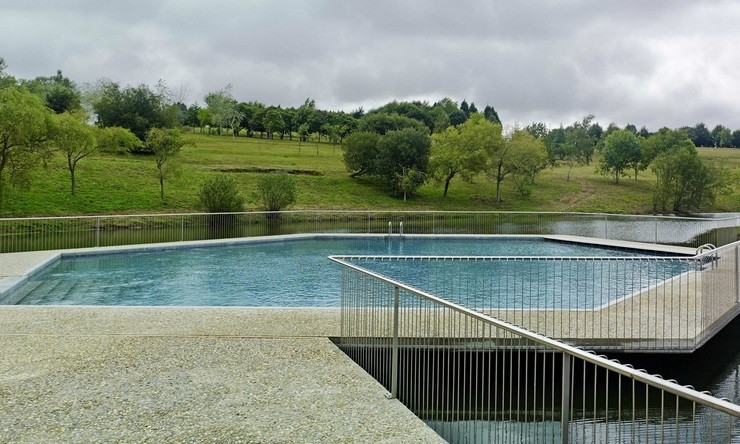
x=11, y=282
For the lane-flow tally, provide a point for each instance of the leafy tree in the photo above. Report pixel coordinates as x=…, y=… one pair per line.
x=621, y=151
x=473, y=109
x=5, y=78
x=75, y=139
x=491, y=114
x=220, y=194
x=538, y=130
x=700, y=135
x=458, y=151
x=273, y=122
x=664, y=140
x=440, y=120
x=399, y=151
x=722, y=136
x=166, y=145
x=58, y=92
x=631, y=128
x=360, y=152
x=136, y=108
x=447, y=104
x=736, y=138
x=191, y=116
x=382, y=123
x=527, y=156
x=25, y=125
x=117, y=140
x=457, y=117
x=224, y=110
x=275, y=192
x=595, y=131
x=684, y=182
x=205, y=117
x=414, y=110
x=644, y=133
x=257, y=123
x=578, y=147
x=302, y=135
x=465, y=108
x=408, y=181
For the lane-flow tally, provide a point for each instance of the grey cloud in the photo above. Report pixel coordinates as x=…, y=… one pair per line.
x=628, y=61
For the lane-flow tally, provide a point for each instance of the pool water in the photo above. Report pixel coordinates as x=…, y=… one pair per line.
x=287, y=273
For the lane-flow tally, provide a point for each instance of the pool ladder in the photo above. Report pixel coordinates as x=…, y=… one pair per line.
x=400, y=229
x=712, y=258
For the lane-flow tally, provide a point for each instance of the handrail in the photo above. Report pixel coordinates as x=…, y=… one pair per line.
x=287, y=212
x=641, y=376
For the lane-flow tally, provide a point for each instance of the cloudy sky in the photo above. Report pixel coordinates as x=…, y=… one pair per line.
x=654, y=63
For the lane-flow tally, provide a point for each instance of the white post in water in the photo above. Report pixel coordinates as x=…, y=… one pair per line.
x=400, y=229
x=565, y=399
x=390, y=228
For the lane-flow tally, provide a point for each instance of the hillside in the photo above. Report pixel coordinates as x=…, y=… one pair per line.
x=112, y=184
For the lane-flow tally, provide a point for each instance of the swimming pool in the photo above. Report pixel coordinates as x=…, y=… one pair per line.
x=262, y=273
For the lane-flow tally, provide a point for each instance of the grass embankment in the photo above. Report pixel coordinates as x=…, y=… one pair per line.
x=111, y=184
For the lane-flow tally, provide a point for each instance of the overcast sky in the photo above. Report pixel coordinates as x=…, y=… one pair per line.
x=654, y=63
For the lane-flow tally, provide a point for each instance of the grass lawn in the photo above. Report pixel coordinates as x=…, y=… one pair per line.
x=110, y=184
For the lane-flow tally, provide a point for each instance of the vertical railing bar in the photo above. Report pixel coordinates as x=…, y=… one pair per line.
x=565, y=401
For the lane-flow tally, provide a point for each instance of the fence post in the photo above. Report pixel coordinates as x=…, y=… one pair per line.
x=606, y=226
x=182, y=227
x=656, y=230
x=97, y=231
x=394, y=356
x=565, y=401
x=737, y=274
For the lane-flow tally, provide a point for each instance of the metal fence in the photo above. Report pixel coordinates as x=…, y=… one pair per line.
x=474, y=378
x=656, y=304
x=50, y=233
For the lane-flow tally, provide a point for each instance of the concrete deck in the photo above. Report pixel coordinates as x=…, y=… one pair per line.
x=178, y=374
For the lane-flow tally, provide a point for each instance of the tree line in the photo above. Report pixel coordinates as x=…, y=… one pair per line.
x=400, y=144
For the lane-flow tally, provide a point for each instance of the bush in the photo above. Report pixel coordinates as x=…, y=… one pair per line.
x=220, y=195
x=275, y=191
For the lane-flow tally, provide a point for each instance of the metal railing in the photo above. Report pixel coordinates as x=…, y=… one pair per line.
x=475, y=378
x=656, y=304
x=50, y=233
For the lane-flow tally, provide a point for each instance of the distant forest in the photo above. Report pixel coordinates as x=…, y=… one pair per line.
x=140, y=108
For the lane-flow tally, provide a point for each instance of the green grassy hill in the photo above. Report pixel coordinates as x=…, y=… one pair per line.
x=110, y=184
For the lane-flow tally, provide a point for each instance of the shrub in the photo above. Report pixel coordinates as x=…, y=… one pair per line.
x=221, y=195
x=275, y=191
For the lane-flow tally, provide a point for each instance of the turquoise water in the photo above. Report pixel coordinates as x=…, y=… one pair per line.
x=292, y=273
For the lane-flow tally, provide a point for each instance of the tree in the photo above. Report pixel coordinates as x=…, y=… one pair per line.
x=458, y=151
x=5, y=79
x=579, y=145
x=382, y=123
x=526, y=158
x=166, y=145
x=664, y=140
x=75, y=139
x=465, y=108
x=700, y=135
x=736, y=138
x=220, y=195
x=399, y=151
x=205, y=117
x=491, y=114
x=275, y=192
x=457, y=117
x=117, y=140
x=409, y=181
x=621, y=151
x=136, y=108
x=59, y=93
x=302, y=135
x=224, y=110
x=273, y=122
x=684, y=182
x=25, y=125
x=722, y=136
x=440, y=120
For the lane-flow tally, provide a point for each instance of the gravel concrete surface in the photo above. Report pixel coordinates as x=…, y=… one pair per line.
x=99, y=388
